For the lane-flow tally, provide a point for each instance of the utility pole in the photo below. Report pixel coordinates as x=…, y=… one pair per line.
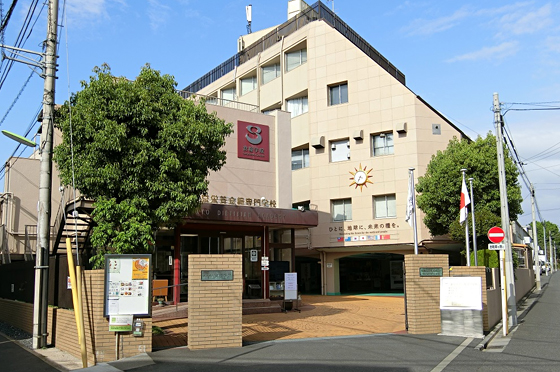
x=505, y=256
x=544, y=245
x=550, y=249
x=45, y=181
x=473, y=225
x=537, y=263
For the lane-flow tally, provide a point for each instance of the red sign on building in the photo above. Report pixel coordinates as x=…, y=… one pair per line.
x=253, y=141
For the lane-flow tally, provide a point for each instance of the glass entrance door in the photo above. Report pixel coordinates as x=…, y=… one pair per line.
x=252, y=273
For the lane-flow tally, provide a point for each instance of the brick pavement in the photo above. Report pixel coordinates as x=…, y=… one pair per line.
x=320, y=316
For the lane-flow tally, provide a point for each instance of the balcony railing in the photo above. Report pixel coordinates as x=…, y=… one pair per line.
x=219, y=101
x=315, y=12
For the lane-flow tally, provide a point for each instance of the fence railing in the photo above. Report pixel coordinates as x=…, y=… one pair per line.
x=315, y=12
x=219, y=101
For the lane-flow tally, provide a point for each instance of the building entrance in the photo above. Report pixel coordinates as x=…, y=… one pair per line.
x=371, y=273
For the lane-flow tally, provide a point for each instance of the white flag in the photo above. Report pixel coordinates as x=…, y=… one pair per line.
x=465, y=200
x=410, y=201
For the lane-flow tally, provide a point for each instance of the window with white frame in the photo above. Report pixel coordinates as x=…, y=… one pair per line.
x=295, y=59
x=248, y=84
x=270, y=72
x=338, y=94
x=297, y=106
x=300, y=158
x=340, y=150
x=385, y=206
x=341, y=209
x=229, y=94
x=382, y=144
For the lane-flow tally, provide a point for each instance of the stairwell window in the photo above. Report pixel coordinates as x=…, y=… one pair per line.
x=385, y=206
x=248, y=84
x=270, y=72
x=338, y=94
x=341, y=210
x=297, y=106
x=382, y=144
x=300, y=159
x=295, y=59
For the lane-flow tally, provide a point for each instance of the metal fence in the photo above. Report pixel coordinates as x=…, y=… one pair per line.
x=315, y=12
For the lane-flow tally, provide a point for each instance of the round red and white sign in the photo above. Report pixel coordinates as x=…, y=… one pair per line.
x=496, y=234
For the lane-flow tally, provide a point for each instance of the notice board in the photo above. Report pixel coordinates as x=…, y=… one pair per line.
x=290, y=286
x=128, y=285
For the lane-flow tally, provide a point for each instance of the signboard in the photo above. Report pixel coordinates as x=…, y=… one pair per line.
x=254, y=255
x=120, y=323
x=290, y=286
x=216, y=275
x=496, y=234
x=460, y=293
x=128, y=285
x=431, y=271
x=264, y=261
x=253, y=141
x=496, y=247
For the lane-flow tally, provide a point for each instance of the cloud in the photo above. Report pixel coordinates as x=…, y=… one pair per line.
x=489, y=53
x=552, y=44
x=432, y=26
x=88, y=11
x=521, y=21
x=158, y=14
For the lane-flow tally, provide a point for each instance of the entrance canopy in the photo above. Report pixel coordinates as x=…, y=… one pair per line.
x=249, y=215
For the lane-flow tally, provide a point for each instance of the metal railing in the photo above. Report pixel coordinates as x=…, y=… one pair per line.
x=219, y=101
x=315, y=12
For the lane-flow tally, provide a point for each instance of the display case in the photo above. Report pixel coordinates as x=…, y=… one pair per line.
x=276, y=290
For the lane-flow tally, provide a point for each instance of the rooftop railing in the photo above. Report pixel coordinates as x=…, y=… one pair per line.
x=315, y=12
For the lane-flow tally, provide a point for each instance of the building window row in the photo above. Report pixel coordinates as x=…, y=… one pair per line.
x=384, y=206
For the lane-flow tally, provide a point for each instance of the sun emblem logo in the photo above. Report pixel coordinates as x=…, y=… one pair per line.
x=360, y=177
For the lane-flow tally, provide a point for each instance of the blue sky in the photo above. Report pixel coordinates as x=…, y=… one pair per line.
x=455, y=55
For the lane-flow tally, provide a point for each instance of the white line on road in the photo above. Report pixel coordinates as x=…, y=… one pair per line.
x=448, y=359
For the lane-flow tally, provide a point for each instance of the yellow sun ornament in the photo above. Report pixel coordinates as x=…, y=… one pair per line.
x=360, y=177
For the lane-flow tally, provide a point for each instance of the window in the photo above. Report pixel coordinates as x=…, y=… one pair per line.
x=248, y=84
x=341, y=210
x=338, y=94
x=229, y=94
x=340, y=150
x=300, y=159
x=297, y=106
x=295, y=59
x=270, y=73
x=384, y=206
x=382, y=144
x=302, y=206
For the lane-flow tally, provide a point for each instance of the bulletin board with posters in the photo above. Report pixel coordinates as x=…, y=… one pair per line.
x=128, y=285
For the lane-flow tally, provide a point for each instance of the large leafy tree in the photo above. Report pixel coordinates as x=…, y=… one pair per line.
x=440, y=188
x=552, y=229
x=141, y=151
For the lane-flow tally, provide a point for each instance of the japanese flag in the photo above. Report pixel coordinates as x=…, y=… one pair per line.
x=465, y=200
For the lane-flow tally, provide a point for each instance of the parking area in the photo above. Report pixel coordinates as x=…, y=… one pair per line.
x=320, y=316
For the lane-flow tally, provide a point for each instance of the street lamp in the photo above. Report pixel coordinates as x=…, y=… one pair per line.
x=19, y=139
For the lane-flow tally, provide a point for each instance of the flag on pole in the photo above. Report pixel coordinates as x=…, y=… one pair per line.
x=465, y=200
x=410, y=200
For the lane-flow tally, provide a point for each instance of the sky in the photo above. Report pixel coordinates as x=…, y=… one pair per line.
x=454, y=54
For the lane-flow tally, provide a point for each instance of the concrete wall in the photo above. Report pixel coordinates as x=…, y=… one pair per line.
x=524, y=282
x=215, y=307
x=475, y=271
x=62, y=326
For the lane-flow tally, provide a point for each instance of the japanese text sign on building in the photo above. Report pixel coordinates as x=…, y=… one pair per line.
x=253, y=141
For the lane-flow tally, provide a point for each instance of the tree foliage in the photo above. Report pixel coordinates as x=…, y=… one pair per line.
x=141, y=151
x=440, y=188
x=552, y=229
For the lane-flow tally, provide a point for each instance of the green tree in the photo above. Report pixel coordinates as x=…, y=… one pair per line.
x=140, y=151
x=440, y=188
x=552, y=229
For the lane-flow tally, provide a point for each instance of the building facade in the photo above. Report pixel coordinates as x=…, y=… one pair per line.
x=356, y=129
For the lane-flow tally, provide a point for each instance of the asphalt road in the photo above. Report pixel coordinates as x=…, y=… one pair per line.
x=14, y=357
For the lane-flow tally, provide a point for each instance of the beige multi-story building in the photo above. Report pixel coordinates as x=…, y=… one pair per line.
x=356, y=129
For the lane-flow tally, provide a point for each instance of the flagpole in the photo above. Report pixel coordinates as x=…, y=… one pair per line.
x=473, y=225
x=466, y=225
x=412, y=192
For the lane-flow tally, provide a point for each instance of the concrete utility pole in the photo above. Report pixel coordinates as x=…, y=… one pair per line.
x=473, y=225
x=551, y=255
x=535, y=242
x=505, y=256
x=45, y=181
x=544, y=245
